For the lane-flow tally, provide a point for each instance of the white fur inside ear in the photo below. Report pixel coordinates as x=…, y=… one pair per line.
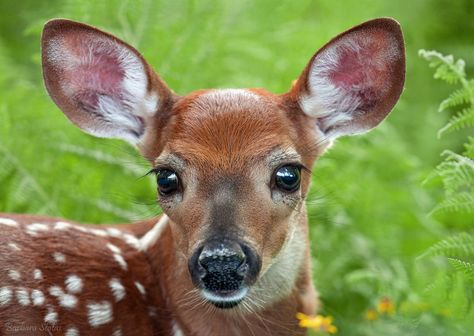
x=346, y=79
x=108, y=81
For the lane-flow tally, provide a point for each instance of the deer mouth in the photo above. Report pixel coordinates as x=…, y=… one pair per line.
x=225, y=299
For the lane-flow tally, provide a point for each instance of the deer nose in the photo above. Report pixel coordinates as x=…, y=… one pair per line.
x=223, y=266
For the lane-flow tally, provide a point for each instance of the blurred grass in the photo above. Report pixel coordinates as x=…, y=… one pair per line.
x=368, y=208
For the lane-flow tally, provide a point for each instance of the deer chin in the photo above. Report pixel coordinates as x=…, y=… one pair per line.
x=225, y=300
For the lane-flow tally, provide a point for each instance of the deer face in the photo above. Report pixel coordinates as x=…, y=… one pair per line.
x=231, y=177
x=232, y=165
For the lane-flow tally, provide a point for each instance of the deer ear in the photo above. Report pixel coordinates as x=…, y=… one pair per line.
x=102, y=84
x=352, y=83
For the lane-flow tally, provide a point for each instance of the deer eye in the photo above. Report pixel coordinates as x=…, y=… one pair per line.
x=168, y=182
x=288, y=178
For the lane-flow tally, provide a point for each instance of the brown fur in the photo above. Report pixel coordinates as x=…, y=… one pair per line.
x=87, y=257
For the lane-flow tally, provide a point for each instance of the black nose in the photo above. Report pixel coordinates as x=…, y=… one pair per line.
x=223, y=266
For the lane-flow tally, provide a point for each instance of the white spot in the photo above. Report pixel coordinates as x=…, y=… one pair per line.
x=8, y=222
x=56, y=291
x=117, y=289
x=177, y=330
x=113, y=232
x=72, y=332
x=59, y=257
x=131, y=240
x=114, y=248
x=98, y=232
x=35, y=228
x=22, y=296
x=14, y=275
x=121, y=261
x=37, y=274
x=14, y=246
x=68, y=301
x=140, y=288
x=99, y=313
x=117, y=332
x=61, y=226
x=51, y=316
x=5, y=295
x=74, y=284
x=37, y=297
x=150, y=238
x=65, y=300
x=152, y=311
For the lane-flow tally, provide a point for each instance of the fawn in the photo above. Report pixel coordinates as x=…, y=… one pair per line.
x=230, y=255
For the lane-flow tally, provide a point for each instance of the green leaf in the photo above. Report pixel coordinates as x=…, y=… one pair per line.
x=467, y=268
x=458, y=97
x=464, y=119
x=462, y=202
x=446, y=68
x=458, y=246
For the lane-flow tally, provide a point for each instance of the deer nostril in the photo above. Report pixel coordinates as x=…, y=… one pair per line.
x=222, y=267
x=201, y=271
x=243, y=269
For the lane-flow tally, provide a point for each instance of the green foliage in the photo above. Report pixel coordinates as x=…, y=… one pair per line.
x=456, y=172
x=459, y=246
x=367, y=206
x=452, y=72
x=464, y=267
x=447, y=69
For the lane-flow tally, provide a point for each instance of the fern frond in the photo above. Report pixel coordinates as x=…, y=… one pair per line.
x=465, y=118
x=469, y=145
x=457, y=175
x=462, y=202
x=445, y=282
x=452, y=156
x=465, y=267
x=447, y=69
x=461, y=96
x=458, y=246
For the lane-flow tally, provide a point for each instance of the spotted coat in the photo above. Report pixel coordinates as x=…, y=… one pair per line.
x=61, y=278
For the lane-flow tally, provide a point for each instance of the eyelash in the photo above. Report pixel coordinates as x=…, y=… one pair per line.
x=299, y=165
x=157, y=169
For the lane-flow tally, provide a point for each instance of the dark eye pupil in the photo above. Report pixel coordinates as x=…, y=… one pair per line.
x=288, y=178
x=167, y=182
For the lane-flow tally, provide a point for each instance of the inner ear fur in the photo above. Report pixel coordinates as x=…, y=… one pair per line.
x=352, y=83
x=102, y=84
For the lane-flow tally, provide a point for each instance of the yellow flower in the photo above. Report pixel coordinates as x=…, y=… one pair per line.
x=386, y=306
x=371, y=315
x=318, y=322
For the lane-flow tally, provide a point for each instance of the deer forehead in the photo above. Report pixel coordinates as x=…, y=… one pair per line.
x=228, y=127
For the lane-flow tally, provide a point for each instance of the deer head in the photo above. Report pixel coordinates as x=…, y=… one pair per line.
x=232, y=165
